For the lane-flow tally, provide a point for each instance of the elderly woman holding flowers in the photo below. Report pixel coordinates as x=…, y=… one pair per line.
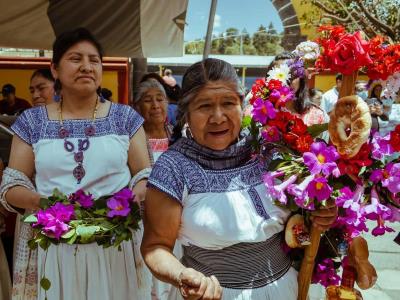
x=79, y=143
x=207, y=191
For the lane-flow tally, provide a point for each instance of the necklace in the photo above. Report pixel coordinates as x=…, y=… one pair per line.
x=83, y=144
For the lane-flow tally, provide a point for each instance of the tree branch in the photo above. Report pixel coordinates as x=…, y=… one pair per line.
x=375, y=21
x=338, y=19
x=322, y=6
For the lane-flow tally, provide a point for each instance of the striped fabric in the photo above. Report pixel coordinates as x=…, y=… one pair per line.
x=241, y=266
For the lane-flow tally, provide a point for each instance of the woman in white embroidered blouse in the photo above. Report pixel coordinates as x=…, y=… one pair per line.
x=48, y=138
x=207, y=192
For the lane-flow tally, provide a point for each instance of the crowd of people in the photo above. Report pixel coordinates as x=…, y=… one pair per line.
x=210, y=230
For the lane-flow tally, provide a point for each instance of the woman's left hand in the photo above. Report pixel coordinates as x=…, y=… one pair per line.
x=324, y=217
x=140, y=190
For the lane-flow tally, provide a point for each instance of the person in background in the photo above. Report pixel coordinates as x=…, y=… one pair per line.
x=361, y=89
x=150, y=101
x=207, y=191
x=42, y=87
x=378, y=110
x=330, y=97
x=168, y=78
x=12, y=105
x=107, y=94
x=315, y=96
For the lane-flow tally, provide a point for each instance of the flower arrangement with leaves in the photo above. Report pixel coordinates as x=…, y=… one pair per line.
x=81, y=219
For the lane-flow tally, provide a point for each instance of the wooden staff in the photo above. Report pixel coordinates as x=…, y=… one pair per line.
x=307, y=264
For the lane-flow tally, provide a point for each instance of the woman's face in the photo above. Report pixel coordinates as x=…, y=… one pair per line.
x=295, y=84
x=377, y=91
x=42, y=90
x=153, y=107
x=79, y=69
x=215, y=116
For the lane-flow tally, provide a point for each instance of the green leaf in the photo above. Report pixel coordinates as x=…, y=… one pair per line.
x=45, y=283
x=32, y=244
x=44, y=242
x=317, y=129
x=246, y=121
x=72, y=239
x=30, y=219
x=44, y=203
x=86, y=232
x=68, y=234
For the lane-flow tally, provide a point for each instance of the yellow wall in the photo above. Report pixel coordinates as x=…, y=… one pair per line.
x=300, y=9
x=20, y=79
x=326, y=82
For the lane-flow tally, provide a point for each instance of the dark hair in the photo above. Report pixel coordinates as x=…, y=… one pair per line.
x=302, y=101
x=339, y=77
x=45, y=73
x=106, y=93
x=8, y=89
x=195, y=78
x=67, y=39
x=313, y=92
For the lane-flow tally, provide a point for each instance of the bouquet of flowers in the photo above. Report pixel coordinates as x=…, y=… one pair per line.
x=81, y=219
x=306, y=173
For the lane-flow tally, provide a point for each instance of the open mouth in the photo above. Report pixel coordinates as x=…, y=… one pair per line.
x=219, y=133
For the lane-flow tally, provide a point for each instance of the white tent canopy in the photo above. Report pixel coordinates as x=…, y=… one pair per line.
x=128, y=28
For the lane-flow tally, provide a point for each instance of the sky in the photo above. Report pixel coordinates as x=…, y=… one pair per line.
x=240, y=14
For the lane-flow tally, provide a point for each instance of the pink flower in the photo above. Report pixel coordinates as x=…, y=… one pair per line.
x=319, y=188
x=380, y=228
x=345, y=194
x=381, y=146
x=85, y=200
x=322, y=158
x=389, y=177
x=277, y=192
x=126, y=194
x=270, y=134
x=299, y=191
x=286, y=95
x=375, y=210
x=325, y=273
x=262, y=111
x=118, y=207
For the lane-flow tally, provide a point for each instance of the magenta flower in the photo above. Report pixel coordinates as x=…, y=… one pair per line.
x=322, y=158
x=381, y=228
x=381, y=146
x=126, y=194
x=118, y=207
x=395, y=213
x=319, y=188
x=277, y=192
x=262, y=111
x=376, y=210
x=325, y=273
x=345, y=194
x=389, y=177
x=299, y=191
x=55, y=218
x=286, y=95
x=85, y=200
x=270, y=134
x=274, y=96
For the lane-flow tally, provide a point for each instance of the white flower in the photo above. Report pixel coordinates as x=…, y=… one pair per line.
x=307, y=50
x=281, y=73
x=392, y=86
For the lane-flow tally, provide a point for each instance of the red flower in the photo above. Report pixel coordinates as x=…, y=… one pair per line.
x=395, y=138
x=274, y=84
x=353, y=165
x=298, y=127
x=259, y=90
x=303, y=143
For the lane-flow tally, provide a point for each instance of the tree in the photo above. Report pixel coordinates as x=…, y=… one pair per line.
x=222, y=44
x=273, y=37
x=371, y=16
x=246, y=40
x=260, y=40
x=231, y=36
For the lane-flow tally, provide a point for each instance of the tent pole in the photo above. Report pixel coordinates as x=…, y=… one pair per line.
x=207, y=44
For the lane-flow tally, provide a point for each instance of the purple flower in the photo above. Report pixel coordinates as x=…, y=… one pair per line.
x=85, y=200
x=395, y=213
x=381, y=228
x=286, y=95
x=277, y=192
x=345, y=194
x=319, y=188
x=299, y=191
x=118, y=207
x=262, y=111
x=54, y=219
x=270, y=134
x=322, y=158
x=389, y=176
x=297, y=68
x=375, y=210
x=381, y=146
x=126, y=194
x=325, y=273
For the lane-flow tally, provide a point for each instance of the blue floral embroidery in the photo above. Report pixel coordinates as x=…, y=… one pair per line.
x=33, y=125
x=173, y=173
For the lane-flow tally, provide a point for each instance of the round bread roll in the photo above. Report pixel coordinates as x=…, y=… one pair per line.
x=292, y=237
x=350, y=112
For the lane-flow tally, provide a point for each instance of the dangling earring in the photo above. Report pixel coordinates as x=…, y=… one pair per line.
x=57, y=89
x=102, y=99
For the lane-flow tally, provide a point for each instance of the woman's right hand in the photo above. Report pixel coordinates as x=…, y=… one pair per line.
x=194, y=285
